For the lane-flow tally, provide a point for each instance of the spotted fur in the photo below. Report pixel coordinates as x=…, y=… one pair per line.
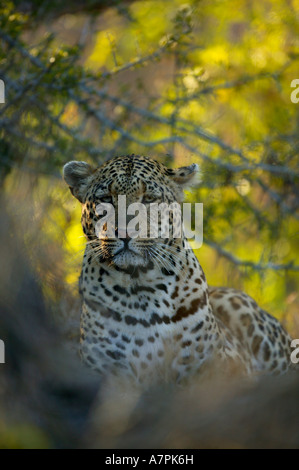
x=148, y=312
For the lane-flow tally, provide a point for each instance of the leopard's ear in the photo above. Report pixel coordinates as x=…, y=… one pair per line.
x=186, y=175
x=77, y=176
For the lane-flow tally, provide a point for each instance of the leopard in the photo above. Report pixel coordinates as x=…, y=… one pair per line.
x=148, y=313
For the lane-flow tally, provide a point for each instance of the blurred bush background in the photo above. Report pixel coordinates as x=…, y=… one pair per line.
x=206, y=82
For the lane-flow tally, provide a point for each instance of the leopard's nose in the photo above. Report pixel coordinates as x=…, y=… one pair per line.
x=126, y=242
x=123, y=234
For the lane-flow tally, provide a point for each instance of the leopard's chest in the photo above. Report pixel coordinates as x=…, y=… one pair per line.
x=145, y=348
x=152, y=328
x=111, y=344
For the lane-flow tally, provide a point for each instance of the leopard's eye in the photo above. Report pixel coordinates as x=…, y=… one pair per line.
x=107, y=199
x=148, y=199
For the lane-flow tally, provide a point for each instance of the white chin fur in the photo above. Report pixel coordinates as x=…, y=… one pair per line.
x=127, y=258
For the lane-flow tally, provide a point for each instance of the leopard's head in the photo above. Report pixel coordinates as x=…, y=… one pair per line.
x=141, y=180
